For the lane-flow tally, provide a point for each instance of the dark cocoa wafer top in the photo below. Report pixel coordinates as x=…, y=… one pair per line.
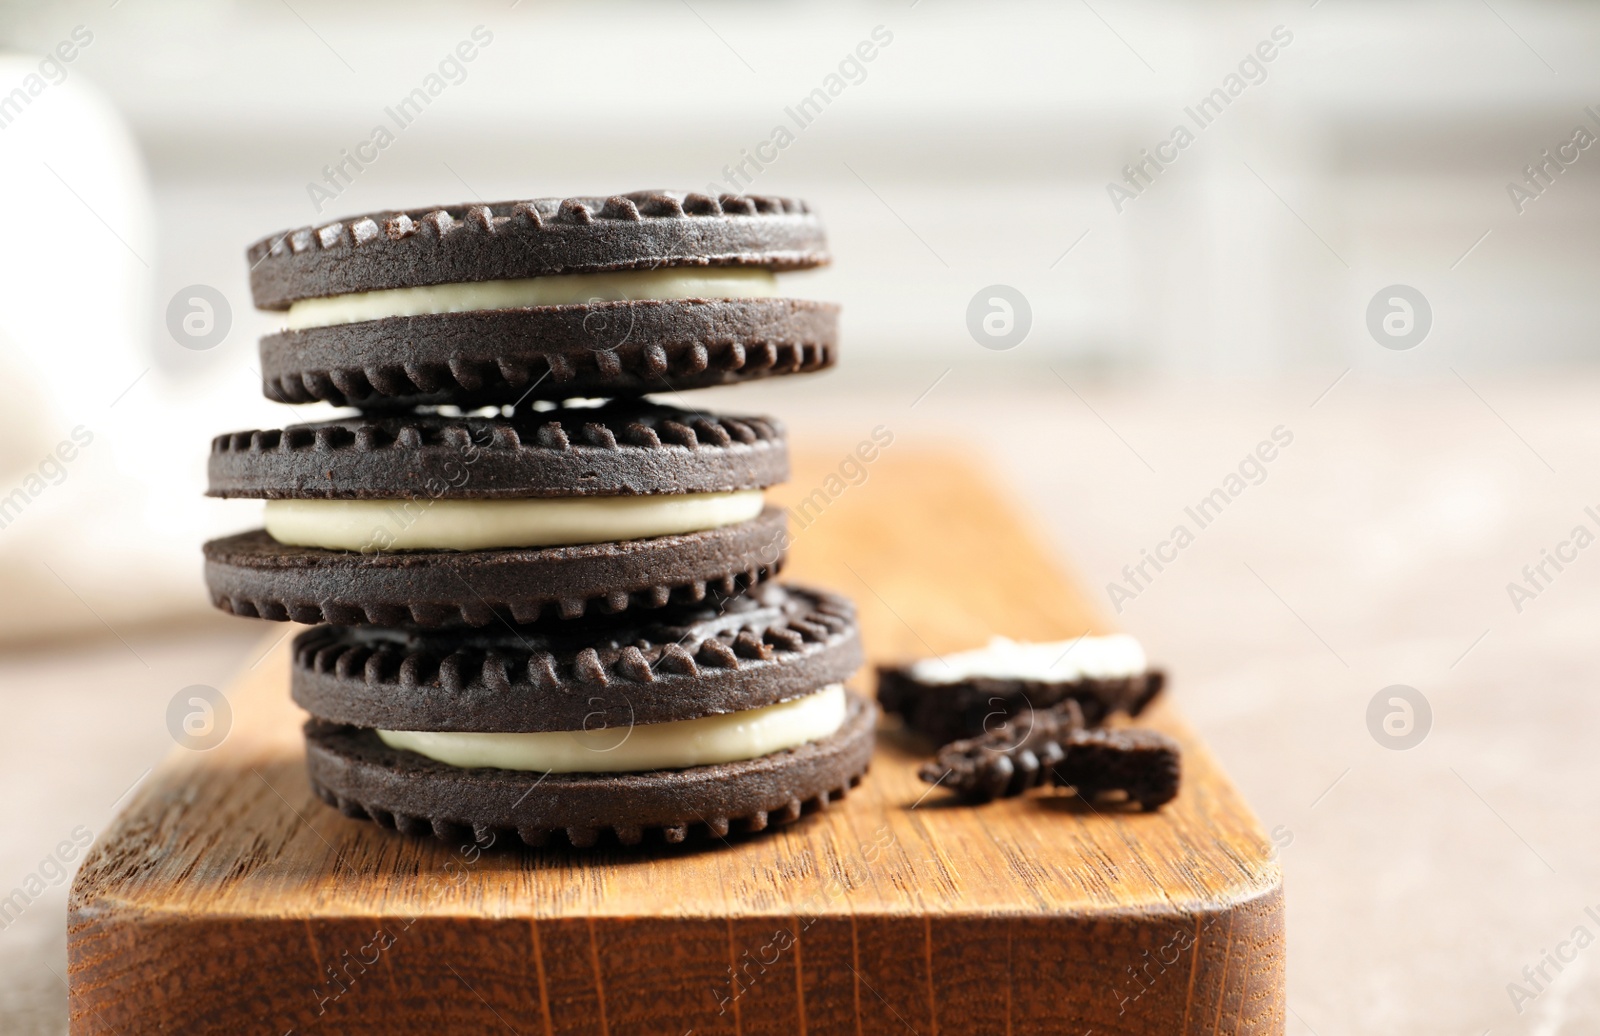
x=622, y=448
x=945, y=712
x=772, y=644
x=534, y=238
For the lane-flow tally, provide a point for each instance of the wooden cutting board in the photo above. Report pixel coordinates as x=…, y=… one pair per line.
x=226, y=898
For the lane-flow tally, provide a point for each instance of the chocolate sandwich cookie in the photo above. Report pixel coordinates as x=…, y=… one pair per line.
x=550, y=298
x=722, y=719
x=963, y=695
x=438, y=521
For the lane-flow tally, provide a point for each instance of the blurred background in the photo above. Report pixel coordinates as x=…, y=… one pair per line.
x=1173, y=315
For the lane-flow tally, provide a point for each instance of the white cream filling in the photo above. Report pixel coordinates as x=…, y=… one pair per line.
x=1101, y=658
x=649, y=746
x=369, y=525
x=673, y=282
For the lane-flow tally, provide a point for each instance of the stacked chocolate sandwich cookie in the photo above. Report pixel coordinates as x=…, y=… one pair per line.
x=544, y=605
x=436, y=521
x=547, y=299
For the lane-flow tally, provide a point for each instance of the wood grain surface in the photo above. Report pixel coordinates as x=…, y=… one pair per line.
x=227, y=898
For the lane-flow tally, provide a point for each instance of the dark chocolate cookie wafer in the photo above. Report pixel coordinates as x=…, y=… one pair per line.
x=253, y=575
x=353, y=770
x=945, y=712
x=774, y=643
x=540, y=237
x=649, y=331
x=1144, y=765
x=1053, y=746
x=621, y=448
x=549, y=352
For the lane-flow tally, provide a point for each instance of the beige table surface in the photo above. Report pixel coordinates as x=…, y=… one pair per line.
x=1376, y=552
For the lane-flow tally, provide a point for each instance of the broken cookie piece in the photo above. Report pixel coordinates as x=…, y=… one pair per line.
x=1053, y=746
x=963, y=695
